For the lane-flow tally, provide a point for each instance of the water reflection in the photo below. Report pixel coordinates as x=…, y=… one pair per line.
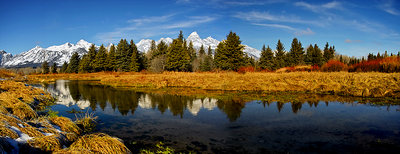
x=232, y=125
x=85, y=94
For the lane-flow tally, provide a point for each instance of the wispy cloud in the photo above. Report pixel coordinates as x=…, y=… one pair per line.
x=255, y=16
x=251, y=3
x=352, y=41
x=276, y=26
x=388, y=6
x=320, y=7
x=296, y=31
x=146, y=27
x=307, y=31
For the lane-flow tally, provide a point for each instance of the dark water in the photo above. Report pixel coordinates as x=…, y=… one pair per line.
x=211, y=125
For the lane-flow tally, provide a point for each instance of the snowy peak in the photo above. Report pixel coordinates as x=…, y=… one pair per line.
x=194, y=36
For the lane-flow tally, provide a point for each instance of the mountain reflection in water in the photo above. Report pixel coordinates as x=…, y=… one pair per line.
x=232, y=125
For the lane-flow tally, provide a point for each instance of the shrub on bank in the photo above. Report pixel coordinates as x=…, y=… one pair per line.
x=334, y=66
x=387, y=65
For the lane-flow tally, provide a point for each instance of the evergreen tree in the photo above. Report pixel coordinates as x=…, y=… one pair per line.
x=152, y=50
x=64, y=67
x=309, y=53
x=280, y=55
x=134, y=58
x=162, y=49
x=229, y=53
x=317, y=58
x=267, y=58
x=329, y=52
x=111, y=59
x=209, y=51
x=101, y=59
x=123, y=60
x=202, y=52
x=296, y=53
x=177, y=58
x=54, y=68
x=84, y=65
x=45, y=67
x=192, y=51
x=180, y=37
x=73, y=63
x=92, y=58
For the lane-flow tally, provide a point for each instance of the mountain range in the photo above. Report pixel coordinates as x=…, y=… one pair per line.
x=62, y=53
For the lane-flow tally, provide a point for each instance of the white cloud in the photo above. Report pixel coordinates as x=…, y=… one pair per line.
x=255, y=16
x=152, y=26
x=296, y=31
x=388, y=7
x=276, y=26
x=318, y=8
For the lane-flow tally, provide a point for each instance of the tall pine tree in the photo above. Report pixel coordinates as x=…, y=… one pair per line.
x=92, y=58
x=122, y=56
x=73, y=63
x=229, y=53
x=280, y=56
x=134, y=58
x=296, y=53
x=317, y=58
x=111, y=59
x=267, y=58
x=178, y=59
x=101, y=59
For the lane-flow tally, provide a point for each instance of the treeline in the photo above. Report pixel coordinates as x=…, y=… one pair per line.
x=180, y=55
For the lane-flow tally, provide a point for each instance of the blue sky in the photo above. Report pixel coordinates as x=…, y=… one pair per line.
x=356, y=28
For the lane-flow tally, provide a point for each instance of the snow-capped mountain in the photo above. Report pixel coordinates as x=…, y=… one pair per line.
x=53, y=54
x=62, y=53
x=144, y=45
x=4, y=57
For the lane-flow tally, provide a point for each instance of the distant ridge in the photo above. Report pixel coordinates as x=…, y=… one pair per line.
x=62, y=53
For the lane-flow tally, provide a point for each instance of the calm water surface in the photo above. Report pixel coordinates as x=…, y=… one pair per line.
x=210, y=125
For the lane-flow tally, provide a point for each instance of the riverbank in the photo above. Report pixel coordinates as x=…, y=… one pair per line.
x=28, y=126
x=372, y=84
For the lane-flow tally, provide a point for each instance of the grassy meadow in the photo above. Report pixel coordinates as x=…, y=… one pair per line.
x=371, y=84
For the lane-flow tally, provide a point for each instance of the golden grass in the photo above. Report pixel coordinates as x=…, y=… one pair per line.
x=99, y=143
x=46, y=143
x=10, y=120
x=3, y=110
x=371, y=84
x=65, y=124
x=86, y=122
x=49, y=130
x=71, y=137
x=5, y=131
x=31, y=131
x=23, y=111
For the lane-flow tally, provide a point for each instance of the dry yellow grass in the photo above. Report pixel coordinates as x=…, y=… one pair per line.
x=370, y=84
x=66, y=124
x=69, y=151
x=23, y=111
x=5, y=131
x=100, y=143
x=46, y=143
x=31, y=131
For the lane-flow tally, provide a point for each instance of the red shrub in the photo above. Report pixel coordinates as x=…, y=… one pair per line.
x=389, y=64
x=245, y=69
x=315, y=68
x=333, y=66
